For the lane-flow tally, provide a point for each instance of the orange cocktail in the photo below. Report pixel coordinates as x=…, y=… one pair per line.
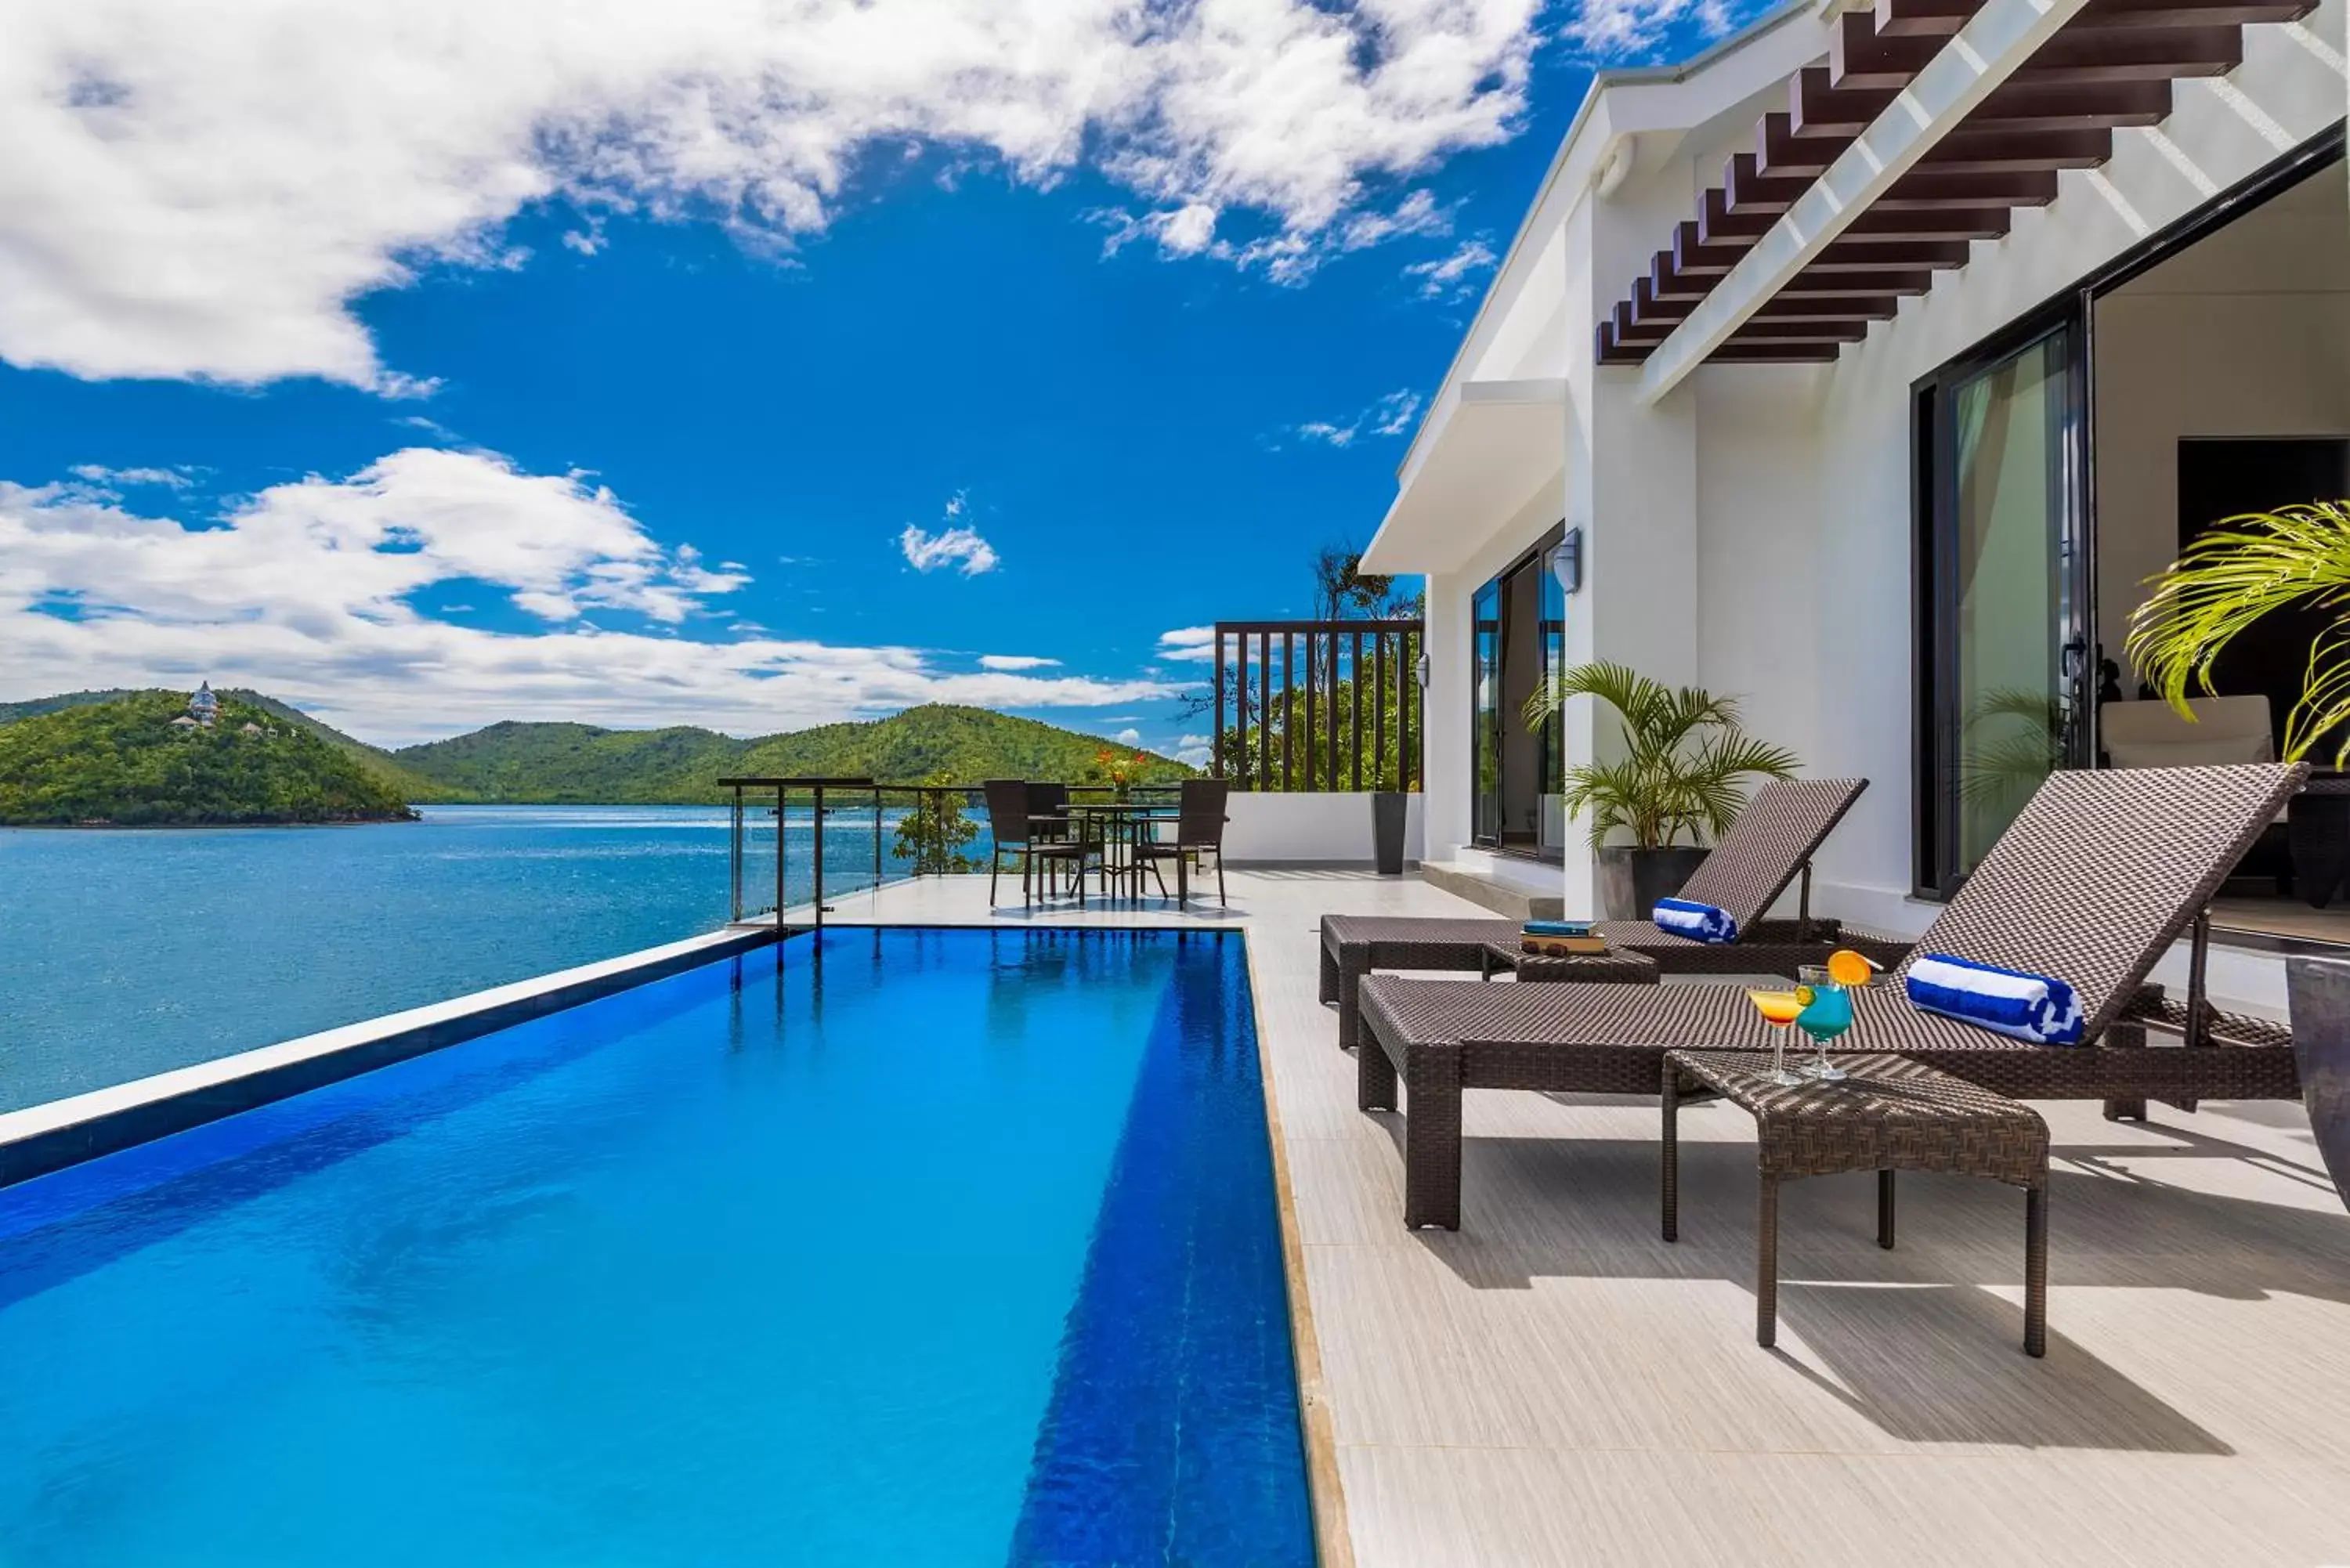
x=1779, y=1009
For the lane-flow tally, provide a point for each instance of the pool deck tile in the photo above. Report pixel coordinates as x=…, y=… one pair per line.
x=1553, y=1385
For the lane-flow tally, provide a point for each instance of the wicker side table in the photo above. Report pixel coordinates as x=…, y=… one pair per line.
x=1618, y=966
x=1891, y=1114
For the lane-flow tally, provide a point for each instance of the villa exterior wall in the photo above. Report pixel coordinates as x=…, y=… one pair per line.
x=1750, y=531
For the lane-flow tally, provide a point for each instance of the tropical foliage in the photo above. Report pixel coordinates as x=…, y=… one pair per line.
x=1686, y=760
x=123, y=762
x=581, y=763
x=934, y=834
x=2243, y=568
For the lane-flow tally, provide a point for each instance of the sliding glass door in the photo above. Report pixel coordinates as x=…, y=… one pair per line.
x=2003, y=609
x=1520, y=641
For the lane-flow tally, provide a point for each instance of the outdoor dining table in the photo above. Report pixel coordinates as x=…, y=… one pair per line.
x=1118, y=824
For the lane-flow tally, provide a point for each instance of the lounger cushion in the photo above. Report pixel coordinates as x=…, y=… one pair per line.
x=1699, y=922
x=2034, y=1007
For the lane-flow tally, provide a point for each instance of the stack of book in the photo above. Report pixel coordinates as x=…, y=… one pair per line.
x=1560, y=938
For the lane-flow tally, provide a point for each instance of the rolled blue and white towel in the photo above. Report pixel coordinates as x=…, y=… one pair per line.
x=2034, y=1007
x=1699, y=922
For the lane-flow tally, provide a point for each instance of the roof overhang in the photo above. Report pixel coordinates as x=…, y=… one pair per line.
x=1930, y=123
x=1486, y=447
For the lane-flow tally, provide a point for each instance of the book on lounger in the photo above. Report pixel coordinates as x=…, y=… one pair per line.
x=1586, y=944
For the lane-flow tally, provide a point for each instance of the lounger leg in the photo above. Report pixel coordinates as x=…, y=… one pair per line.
x=2035, y=1271
x=1885, y=1209
x=2132, y=1110
x=994, y=865
x=1767, y=1264
x=1672, y=1154
x=1350, y=1009
x=1328, y=990
x=1375, y=1078
x=1431, y=1137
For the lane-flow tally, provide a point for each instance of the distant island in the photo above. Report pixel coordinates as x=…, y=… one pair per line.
x=165, y=759
x=124, y=758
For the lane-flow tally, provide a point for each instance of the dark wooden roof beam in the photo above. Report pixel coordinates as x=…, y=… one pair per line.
x=1735, y=353
x=1876, y=254
x=1801, y=332
x=1817, y=110
x=2001, y=151
x=1667, y=281
x=1811, y=281
x=1860, y=58
x=1941, y=18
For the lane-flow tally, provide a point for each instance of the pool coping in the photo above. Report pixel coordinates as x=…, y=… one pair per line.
x=43, y=1138
x=1334, y=1546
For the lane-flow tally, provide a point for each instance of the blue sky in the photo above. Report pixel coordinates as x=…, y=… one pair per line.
x=886, y=399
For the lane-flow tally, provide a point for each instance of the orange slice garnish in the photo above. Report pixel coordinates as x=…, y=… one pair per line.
x=1849, y=969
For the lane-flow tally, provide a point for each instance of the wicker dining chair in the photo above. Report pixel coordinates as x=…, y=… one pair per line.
x=1198, y=830
x=1013, y=810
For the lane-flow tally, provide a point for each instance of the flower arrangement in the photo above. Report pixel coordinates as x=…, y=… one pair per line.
x=1122, y=772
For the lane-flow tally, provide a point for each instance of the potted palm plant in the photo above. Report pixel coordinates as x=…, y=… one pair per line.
x=2233, y=574
x=1682, y=777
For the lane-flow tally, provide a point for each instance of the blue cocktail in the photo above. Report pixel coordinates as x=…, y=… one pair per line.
x=1827, y=1013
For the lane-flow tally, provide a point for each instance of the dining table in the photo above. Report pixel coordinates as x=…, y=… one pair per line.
x=1118, y=827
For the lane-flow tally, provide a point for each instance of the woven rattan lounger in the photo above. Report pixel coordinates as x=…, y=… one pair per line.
x=2093, y=882
x=1766, y=849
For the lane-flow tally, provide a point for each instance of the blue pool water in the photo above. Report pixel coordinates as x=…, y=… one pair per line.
x=930, y=1247
x=128, y=954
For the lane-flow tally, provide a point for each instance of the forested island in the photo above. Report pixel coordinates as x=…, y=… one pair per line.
x=160, y=759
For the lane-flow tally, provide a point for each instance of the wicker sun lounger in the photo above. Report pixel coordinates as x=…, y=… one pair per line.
x=1768, y=846
x=2096, y=877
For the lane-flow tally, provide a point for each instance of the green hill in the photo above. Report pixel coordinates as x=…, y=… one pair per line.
x=122, y=760
x=580, y=765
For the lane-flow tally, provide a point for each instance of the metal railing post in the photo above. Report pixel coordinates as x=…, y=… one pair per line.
x=734, y=861
x=876, y=838
x=819, y=856
x=779, y=859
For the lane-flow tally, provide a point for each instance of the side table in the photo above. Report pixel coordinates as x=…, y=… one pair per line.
x=1618, y=967
x=1891, y=1114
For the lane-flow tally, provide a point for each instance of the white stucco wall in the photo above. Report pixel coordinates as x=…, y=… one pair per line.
x=1310, y=828
x=1752, y=532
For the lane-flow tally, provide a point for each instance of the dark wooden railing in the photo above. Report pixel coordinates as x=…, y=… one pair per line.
x=1317, y=704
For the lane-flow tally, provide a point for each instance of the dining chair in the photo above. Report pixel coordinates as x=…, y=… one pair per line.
x=1012, y=822
x=1198, y=830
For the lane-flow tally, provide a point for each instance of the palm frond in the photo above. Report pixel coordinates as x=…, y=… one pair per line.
x=2238, y=571
x=1685, y=761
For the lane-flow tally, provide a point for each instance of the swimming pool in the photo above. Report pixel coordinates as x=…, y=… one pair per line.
x=914, y=1247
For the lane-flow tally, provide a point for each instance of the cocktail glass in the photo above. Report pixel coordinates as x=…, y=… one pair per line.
x=1826, y=1014
x=1779, y=1009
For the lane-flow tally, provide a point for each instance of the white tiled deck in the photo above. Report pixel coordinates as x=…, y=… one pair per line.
x=1554, y=1385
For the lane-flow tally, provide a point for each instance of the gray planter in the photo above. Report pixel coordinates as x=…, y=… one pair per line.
x=1632, y=880
x=2319, y=992
x=1389, y=812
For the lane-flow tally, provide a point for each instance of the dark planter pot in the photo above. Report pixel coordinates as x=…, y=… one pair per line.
x=2319, y=992
x=1389, y=810
x=1632, y=880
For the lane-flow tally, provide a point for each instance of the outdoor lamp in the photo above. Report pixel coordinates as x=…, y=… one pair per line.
x=1422, y=671
x=1566, y=562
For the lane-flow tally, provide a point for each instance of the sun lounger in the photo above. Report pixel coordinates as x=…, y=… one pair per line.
x=2093, y=882
x=1766, y=849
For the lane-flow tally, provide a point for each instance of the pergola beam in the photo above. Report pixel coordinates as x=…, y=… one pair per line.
x=1992, y=45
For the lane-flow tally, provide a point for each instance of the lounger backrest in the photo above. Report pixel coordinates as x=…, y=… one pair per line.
x=2101, y=871
x=1781, y=827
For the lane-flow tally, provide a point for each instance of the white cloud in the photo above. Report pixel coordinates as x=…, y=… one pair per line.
x=1631, y=29
x=1193, y=751
x=99, y=475
x=1448, y=277
x=1187, y=645
x=1128, y=737
x=307, y=590
x=200, y=191
x=1391, y=416
x=1015, y=661
x=960, y=546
